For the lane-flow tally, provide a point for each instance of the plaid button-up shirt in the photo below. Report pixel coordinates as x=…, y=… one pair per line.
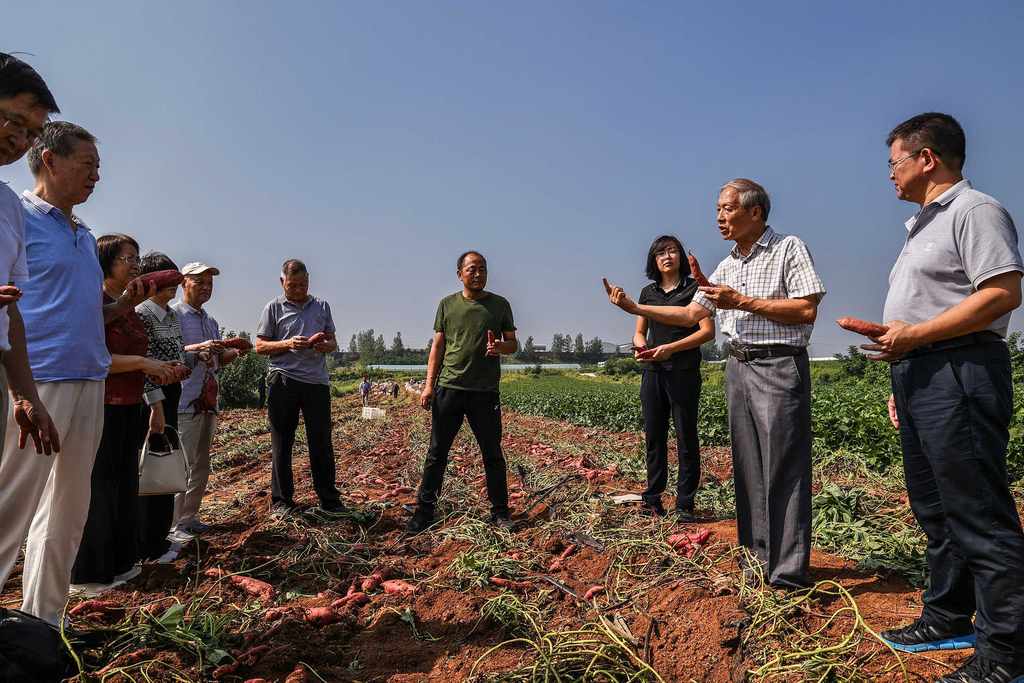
x=777, y=267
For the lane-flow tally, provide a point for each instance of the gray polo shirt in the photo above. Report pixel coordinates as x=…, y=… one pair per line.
x=281, y=319
x=955, y=243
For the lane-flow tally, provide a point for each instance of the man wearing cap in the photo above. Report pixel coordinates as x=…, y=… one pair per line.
x=287, y=332
x=198, y=405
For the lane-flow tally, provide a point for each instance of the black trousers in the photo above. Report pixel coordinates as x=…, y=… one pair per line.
x=156, y=513
x=954, y=408
x=286, y=398
x=108, y=541
x=671, y=394
x=483, y=410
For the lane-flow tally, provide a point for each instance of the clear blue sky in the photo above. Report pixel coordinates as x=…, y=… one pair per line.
x=376, y=141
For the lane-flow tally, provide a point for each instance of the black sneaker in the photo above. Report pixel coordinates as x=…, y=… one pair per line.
x=921, y=636
x=686, y=515
x=280, y=510
x=331, y=509
x=418, y=524
x=502, y=521
x=978, y=669
x=652, y=508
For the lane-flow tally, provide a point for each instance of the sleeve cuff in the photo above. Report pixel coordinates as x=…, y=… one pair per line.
x=993, y=272
x=153, y=396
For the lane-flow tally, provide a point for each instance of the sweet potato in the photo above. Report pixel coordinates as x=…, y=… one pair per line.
x=317, y=338
x=557, y=564
x=510, y=584
x=133, y=657
x=398, y=587
x=322, y=616
x=490, y=337
x=299, y=675
x=592, y=591
x=95, y=607
x=696, y=272
x=868, y=329
x=239, y=343
x=252, y=586
x=355, y=600
x=162, y=279
x=372, y=582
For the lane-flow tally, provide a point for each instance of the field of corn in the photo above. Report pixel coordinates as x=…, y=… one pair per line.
x=581, y=589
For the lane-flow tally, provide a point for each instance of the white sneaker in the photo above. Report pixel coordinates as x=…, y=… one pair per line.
x=179, y=536
x=171, y=555
x=89, y=590
x=128, y=575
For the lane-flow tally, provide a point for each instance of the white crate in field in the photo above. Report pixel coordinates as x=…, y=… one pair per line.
x=370, y=413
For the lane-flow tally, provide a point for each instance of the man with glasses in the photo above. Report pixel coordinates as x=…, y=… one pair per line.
x=951, y=294
x=472, y=328
x=25, y=104
x=47, y=499
x=767, y=293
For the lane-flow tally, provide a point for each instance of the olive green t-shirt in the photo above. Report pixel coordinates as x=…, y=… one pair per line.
x=464, y=323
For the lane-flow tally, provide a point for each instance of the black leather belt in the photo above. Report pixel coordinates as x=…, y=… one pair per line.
x=984, y=337
x=749, y=353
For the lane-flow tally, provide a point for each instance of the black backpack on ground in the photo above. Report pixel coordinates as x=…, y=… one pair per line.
x=31, y=651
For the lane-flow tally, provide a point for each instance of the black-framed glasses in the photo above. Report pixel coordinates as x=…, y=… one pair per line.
x=12, y=122
x=894, y=164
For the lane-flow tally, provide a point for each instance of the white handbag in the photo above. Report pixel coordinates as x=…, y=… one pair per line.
x=163, y=467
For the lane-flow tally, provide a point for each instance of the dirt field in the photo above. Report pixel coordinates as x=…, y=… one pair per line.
x=662, y=612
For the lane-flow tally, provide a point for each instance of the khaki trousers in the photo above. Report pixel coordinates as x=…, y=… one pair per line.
x=44, y=500
x=196, y=433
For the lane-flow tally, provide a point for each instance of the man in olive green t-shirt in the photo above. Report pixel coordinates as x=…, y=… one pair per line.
x=471, y=331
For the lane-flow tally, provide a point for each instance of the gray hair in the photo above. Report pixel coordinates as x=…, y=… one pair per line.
x=751, y=195
x=60, y=137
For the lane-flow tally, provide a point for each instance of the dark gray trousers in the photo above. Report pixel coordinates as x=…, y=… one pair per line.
x=770, y=426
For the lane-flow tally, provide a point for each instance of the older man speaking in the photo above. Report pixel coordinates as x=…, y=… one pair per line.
x=767, y=292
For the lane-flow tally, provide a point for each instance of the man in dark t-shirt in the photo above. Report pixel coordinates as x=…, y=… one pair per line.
x=472, y=329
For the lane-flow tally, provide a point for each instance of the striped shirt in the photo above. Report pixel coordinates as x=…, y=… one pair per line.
x=165, y=343
x=777, y=267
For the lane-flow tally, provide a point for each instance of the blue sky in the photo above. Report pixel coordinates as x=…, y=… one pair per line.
x=376, y=141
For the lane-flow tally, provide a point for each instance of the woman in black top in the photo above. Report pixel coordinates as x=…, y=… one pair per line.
x=671, y=379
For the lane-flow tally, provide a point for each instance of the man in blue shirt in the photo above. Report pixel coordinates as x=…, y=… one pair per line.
x=296, y=330
x=62, y=306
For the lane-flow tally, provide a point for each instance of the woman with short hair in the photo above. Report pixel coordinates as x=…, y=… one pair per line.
x=160, y=409
x=107, y=554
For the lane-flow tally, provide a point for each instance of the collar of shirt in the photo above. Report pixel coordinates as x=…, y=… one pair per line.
x=44, y=206
x=765, y=240
x=284, y=301
x=156, y=310
x=942, y=200
x=188, y=309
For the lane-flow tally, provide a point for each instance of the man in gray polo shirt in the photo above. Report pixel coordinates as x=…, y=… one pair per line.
x=299, y=382
x=951, y=293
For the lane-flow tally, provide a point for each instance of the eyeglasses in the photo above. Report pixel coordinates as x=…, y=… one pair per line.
x=664, y=253
x=894, y=164
x=129, y=260
x=13, y=123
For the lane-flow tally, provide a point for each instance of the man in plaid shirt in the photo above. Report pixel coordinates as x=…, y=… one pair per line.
x=766, y=293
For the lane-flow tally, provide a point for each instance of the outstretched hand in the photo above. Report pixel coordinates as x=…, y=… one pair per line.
x=618, y=297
